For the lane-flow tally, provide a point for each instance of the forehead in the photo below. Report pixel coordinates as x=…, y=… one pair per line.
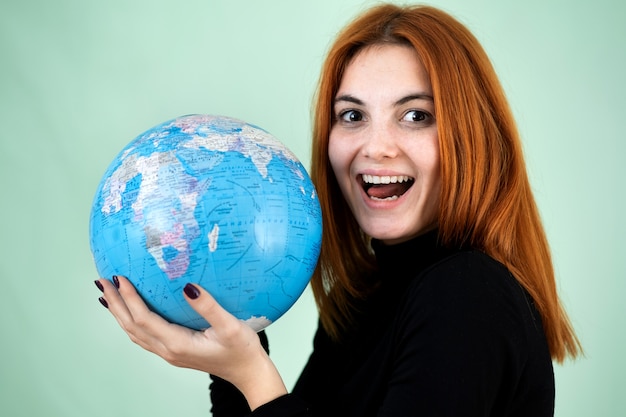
x=383, y=67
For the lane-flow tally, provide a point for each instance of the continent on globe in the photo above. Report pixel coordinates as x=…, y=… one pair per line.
x=213, y=201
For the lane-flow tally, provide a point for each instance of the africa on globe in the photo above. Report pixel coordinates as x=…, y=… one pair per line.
x=214, y=201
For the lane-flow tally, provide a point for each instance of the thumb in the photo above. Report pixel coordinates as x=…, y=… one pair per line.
x=205, y=305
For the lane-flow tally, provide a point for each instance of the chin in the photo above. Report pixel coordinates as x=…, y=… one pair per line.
x=389, y=237
x=393, y=237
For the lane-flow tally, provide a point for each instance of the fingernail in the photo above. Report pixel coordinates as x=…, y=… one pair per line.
x=116, y=281
x=103, y=302
x=99, y=285
x=191, y=291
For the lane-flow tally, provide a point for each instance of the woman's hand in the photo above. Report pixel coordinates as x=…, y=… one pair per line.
x=229, y=349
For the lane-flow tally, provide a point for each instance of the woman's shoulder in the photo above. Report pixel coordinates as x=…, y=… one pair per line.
x=470, y=271
x=470, y=289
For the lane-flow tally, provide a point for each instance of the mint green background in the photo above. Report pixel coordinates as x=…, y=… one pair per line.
x=79, y=79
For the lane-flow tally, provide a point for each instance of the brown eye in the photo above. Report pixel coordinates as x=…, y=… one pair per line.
x=351, y=116
x=415, y=116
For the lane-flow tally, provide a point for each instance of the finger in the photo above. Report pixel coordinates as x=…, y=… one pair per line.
x=144, y=327
x=140, y=313
x=111, y=298
x=131, y=313
x=117, y=306
x=205, y=305
x=116, y=303
x=133, y=301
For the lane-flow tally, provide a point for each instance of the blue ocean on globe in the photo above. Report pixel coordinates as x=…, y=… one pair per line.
x=210, y=200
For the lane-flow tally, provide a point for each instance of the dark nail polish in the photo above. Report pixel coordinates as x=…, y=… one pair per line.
x=99, y=285
x=191, y=291
x=116, y=281
x=103, y=302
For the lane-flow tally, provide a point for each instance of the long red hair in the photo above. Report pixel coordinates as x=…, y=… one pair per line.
x=486, y=199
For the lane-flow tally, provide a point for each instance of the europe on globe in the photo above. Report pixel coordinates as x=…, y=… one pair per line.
x=214, y=201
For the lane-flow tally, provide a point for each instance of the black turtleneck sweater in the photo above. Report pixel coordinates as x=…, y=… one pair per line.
x=449, y=333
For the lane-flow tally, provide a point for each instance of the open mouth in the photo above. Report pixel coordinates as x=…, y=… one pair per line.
x=386, y=187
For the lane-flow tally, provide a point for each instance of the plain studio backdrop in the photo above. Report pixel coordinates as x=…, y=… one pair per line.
x=79, y=79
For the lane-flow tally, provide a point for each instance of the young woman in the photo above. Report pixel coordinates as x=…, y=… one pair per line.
x=435, y=286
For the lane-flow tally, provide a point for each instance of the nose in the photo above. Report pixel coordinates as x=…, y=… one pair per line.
x=380, y=142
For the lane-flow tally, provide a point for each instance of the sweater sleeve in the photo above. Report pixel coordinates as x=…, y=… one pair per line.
x=288, y=405
x=226, y=399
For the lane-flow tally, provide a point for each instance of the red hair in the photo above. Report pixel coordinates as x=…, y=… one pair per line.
x=486, y=198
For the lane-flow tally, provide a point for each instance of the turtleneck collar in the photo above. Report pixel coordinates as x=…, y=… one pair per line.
x=407, y=259
x=397, y=266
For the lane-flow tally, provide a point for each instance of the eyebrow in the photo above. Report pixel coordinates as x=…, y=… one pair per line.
x=412, y=97
x=351, y=99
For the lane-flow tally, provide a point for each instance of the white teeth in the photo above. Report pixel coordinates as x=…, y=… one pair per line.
x=385, y=179
x=393, y=197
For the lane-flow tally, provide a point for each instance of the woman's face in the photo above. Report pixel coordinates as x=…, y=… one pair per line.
x=383, y=145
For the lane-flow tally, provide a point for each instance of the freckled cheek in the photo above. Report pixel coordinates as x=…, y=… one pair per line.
x=338, y=157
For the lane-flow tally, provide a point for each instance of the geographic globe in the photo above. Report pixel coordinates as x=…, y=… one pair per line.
x=213, y=201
